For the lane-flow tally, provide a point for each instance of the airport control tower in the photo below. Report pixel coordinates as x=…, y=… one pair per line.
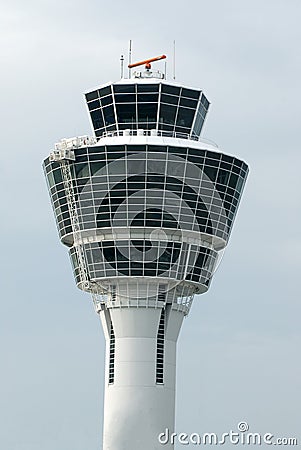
x=145, y=208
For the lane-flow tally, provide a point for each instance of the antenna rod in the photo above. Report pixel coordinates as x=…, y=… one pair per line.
x=121, y=66
x=174, y=59
x=130, y=57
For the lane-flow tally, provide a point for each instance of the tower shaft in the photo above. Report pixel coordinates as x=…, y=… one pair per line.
x=140, y=375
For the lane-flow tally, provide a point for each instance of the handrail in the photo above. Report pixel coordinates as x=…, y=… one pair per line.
x=156, y=133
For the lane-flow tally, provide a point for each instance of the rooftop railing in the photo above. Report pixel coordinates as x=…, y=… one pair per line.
x=66, y=145
x=156, y=133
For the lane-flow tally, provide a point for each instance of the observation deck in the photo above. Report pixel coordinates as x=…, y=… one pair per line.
x=147, y=103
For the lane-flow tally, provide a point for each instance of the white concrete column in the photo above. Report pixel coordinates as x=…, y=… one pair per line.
x=136, y=409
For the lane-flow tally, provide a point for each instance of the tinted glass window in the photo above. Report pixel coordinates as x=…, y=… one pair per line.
x=167, y=89
x=128, y=88
x=93, y=105
x=168, y=114
x=190, y=93
x=126, y=113
x=125, y=98
x=148, y=97
x=91, y=96
x=107, y=100
x=148, y=88
x=188, y=102
x=104, y=91
x=97, y=119
x=170, y=99
x=147, y=112
x=204, y=101
x=109, y=116
x=185, y=117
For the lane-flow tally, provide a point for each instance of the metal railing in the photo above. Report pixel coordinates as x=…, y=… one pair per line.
x=156, y=133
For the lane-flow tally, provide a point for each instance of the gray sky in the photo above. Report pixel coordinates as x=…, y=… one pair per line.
x=239, y=350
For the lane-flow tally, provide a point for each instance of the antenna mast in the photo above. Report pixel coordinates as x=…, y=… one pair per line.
x=174, y=59
x=130, y=57
x=121, y=66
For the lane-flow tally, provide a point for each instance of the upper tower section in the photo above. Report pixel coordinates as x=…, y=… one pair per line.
x=146, y=101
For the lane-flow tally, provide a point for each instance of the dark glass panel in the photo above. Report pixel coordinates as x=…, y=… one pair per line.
x=104, y=91
x=99, y=133
x=125, y=98
x=136, y=148
x=227, y=159
x=147, y=112
x=170, y=99
x=100, y=155
x=80, y=152
x=57, y=175
x=93, y=105
x=111, y=128
x=205, y=102
x=148, y=87
x=96, y=166
x=157, y=148
x=97, y=119
x=91, y=96
x=236, y=169
x=233, y=180
x=190, y=93
x=168, y=114
x=107, y=100
x=126, y=113
x=149, y=98
x=198, y=124
x=188, y=103
x=210, y=172
x=124, y=88
x=212, y=162
x=168, y=128
x=185, y=117
x=168, y=89
x=109, y=115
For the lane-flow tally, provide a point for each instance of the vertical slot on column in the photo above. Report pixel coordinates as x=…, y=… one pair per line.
x=160, y=349
x=112, y=355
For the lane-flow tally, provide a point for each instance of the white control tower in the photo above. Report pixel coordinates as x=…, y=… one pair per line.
x=144, y=207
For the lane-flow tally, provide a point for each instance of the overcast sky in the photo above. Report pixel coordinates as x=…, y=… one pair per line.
x=239, y=351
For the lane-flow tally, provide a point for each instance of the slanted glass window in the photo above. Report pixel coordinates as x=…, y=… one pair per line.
x=124, y=88
x=97, y=119
x=125, y=98
x=147, y=112
x=105, y=91
x=91, y=96
x=170, y=99
x=190, y=93
x=126, y=113
x=168, y=114
x=93, y=105
x=185, y=117
x=108, y=100
x=168, y=89
x=205, y=102
x=148, y=98
x=109, y=115
x=148, y=88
